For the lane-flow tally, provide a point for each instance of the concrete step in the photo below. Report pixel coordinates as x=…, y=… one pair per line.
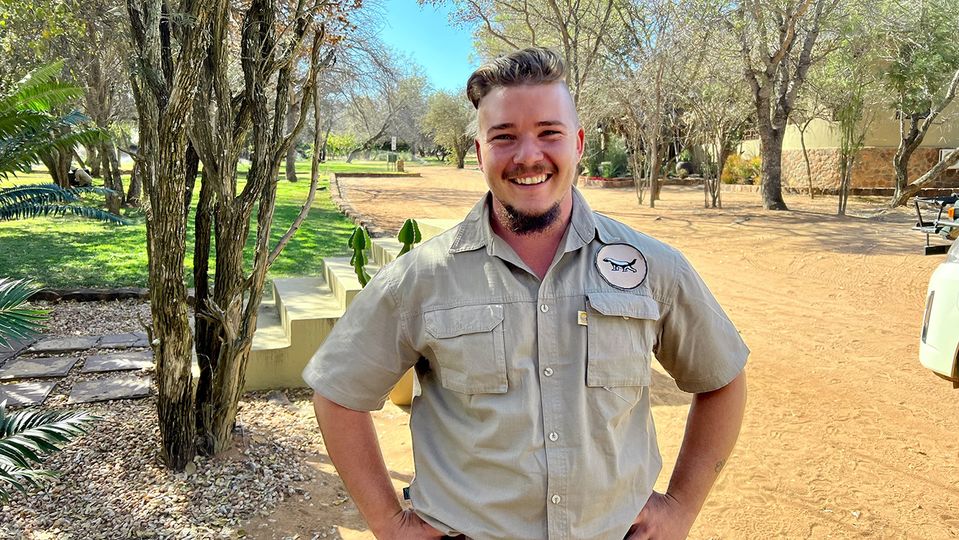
x=303, y=314
x=385, y=250
x=341, y=278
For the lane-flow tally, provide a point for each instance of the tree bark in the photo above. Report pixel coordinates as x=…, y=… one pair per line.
x=164, y=88
x=58, y=164
x=930, y=176
x=771, y=149
x=291, y=117
x=93, y=160
x=112, y=179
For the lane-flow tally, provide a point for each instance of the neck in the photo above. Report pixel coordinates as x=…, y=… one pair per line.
x=536, y=249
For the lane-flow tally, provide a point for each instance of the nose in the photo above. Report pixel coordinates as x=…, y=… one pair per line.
x=528, y=152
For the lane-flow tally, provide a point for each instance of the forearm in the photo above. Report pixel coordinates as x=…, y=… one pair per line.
x=350, y=440
x=711, y=431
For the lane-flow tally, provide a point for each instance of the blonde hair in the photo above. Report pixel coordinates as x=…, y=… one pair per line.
x=534, y=65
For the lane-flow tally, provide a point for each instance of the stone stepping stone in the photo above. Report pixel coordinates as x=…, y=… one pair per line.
x=124, y=341
x=118, y=361
x=123, y=387
x=29, y=368
x=14, y=348
x=27, y=393
x=65, y=344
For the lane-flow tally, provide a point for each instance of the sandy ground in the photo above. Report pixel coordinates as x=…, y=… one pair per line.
x=846, y=434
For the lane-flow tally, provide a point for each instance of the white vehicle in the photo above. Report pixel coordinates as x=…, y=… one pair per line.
x=939, y=344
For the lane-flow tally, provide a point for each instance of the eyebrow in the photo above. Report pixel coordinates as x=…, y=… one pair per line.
x=510, y=125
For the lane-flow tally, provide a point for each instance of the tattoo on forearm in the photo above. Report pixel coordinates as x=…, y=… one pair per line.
x=720, y=464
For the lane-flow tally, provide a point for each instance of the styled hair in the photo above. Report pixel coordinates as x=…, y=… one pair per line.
x=534, y=65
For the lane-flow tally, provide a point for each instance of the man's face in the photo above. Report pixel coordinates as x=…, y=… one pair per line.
x=528, y=146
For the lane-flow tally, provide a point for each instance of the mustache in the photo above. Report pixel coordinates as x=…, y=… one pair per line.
x=523, y=170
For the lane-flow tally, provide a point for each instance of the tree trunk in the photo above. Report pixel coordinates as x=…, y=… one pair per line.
x=93, y=160
x=164, y=80
x=291, y=116
x=930, y=176
x=135, y=191
x=771, y=149
x=805, y=156
x=112, y=180
x=58, y=163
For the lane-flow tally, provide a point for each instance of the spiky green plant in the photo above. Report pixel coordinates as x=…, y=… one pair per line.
x=26, y=437
x=359, y=243
x=34, y=200
x=16, y=321
x=29, y=124
x=409, y=235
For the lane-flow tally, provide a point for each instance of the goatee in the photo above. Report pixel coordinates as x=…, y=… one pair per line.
x=523, y=223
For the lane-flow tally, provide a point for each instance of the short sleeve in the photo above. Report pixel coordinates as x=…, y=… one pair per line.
x=698, y=345
x=366, y=353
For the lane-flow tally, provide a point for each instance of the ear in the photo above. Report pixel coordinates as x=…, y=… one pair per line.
x=479, y=153
x=580, y=143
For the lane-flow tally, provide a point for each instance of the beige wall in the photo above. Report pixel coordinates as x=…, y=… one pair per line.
x=884, y=131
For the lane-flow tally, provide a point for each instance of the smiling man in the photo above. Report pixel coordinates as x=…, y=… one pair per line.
x=532, y=325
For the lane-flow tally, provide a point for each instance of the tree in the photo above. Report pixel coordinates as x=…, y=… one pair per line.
x=575, y=27
x=777, y=41
x=165, y=82
x=923, y=75
x=192, y=111
x=717, y=112
x=653, y=52
x=448, y=118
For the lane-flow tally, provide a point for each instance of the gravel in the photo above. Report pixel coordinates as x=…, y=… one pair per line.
x=113, y=484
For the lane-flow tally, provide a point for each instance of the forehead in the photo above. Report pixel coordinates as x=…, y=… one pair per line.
x=528, y=103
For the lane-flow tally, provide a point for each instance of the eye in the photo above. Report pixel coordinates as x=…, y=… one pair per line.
x=551, y=133
x=502, y=137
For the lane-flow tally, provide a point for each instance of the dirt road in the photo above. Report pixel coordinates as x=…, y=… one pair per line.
x=845, y=435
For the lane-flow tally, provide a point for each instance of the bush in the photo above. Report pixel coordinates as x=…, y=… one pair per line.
x=741, y=171
x=615, y=154
x=606, y=169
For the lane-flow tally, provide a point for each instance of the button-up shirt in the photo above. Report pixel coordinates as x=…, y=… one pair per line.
x=534, y=418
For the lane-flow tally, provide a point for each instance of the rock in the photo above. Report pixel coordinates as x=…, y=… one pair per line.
x=65, y=344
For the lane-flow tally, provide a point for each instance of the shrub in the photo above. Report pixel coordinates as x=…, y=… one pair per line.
x=606, y=169
x=741, y=171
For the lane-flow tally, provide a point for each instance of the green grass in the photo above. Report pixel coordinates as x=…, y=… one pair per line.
x=71, y=252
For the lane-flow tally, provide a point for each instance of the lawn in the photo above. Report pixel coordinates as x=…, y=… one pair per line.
x=71, y=252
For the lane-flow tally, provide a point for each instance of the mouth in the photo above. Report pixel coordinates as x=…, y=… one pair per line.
x=531, y=180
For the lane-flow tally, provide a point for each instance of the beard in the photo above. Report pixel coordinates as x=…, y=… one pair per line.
x=523, y=223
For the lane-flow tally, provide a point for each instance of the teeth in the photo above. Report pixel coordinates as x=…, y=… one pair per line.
x=528, y=181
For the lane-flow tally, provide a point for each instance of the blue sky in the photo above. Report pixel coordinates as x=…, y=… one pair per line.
x=426, y=35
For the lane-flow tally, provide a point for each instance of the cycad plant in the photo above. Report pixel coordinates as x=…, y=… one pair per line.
x=30, y=127
x=16, y=321
x=27, y=201
x=27, y=436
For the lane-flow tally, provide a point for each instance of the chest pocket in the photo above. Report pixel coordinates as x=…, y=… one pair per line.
x=470, y=348
x=621, y=331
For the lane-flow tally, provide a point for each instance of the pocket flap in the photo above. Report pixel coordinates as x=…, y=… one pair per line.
x=458, y=321
x=624, y=305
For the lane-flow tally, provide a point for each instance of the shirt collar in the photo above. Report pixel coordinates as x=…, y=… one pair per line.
x=475, y=231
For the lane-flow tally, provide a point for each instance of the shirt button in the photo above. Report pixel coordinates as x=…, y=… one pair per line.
x=548, y=372
x=554, y=436
x=544, y=308
x=556, y=499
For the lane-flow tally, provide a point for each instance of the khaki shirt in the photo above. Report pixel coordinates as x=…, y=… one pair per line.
x=534, y=418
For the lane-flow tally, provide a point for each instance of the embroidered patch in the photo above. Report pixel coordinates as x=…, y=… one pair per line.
x=621, y=265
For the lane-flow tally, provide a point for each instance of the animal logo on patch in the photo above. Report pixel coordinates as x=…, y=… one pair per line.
x=621, y=265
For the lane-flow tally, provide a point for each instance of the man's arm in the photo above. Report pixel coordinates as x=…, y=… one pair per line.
x=711, y=431
x=350, y=440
